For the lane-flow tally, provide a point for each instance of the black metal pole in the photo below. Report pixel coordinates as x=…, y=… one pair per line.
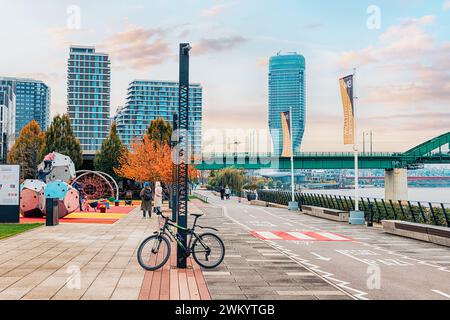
x=175, y=141
x=184, y=152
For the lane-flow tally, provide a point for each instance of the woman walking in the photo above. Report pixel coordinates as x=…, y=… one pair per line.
x=147, y=198
x=158, y=198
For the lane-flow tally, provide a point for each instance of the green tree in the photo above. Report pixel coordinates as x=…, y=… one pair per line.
x=25, y=152
x=231, y=177
x=59, y=137
x=107, y=159
x=161, y=131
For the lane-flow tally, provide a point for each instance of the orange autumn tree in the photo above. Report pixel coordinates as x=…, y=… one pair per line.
x=149, y=160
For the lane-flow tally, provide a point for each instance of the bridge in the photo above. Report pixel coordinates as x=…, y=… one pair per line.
x=430, y=152
x=395, y=165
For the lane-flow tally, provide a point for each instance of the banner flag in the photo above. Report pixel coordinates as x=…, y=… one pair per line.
x=286, y=129
x=346, y=85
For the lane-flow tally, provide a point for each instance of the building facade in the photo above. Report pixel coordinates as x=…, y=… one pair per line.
x=88, y=96
x=7, y=122
x=32, y=102
x=287, y=89
x=148, y=100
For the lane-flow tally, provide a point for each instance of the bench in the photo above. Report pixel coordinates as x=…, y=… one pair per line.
x=324, y=213
x=418, y=231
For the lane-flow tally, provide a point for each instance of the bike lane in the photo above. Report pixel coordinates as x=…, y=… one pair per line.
x=366, y=263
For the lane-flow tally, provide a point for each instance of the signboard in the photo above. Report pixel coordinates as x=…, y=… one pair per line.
x=9, y=193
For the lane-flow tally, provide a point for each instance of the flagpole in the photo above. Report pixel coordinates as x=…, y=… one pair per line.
x=355, y=147
x=292, y=156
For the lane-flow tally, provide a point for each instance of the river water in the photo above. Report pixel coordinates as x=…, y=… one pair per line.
x=415, y=194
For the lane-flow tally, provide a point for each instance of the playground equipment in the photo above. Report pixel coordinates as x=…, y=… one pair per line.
x=54, y=172
x=97, y=185
x=68, y=196
x=57, y=166
x=32, y=198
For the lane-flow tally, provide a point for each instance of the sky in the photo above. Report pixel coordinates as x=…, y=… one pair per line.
x=400, y=50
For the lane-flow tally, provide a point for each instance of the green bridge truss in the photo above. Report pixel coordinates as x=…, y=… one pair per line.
x=429, y=152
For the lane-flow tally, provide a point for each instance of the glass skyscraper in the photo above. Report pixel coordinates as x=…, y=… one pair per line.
x=7, y=115
x=287, y=90
x=32, y=102
x=148, y=100
x=88, y=96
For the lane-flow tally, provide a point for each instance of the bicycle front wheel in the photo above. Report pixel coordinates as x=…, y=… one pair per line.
x=208, y=250
x=153, y=253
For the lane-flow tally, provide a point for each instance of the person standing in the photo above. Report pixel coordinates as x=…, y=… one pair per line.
x=158, y=198
x=147, y=198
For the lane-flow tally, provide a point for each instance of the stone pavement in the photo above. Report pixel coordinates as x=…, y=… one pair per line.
x=76, y=261
x=253, y=270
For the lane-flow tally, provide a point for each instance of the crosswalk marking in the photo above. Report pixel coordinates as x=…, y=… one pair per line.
x=269, y=236
x=332, y=236
x=300, y=236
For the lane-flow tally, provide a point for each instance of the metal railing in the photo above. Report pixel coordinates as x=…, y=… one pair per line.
x=376, y=210
x=200, y=196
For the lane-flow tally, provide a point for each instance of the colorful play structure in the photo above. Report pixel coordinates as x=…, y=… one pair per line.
x=59, y=180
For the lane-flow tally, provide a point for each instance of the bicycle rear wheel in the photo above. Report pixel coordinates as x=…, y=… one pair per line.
x=154, y=252
x=208, y=250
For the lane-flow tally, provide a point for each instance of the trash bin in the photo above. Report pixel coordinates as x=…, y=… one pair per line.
x=52, y=212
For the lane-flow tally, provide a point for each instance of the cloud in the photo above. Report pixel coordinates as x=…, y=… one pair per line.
x=138, y=47
x=446, y=5
x=311, y=26
x=205, y=46
x=218, y=9
x=412, y=64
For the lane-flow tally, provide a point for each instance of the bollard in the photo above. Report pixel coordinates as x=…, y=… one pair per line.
x=370, y=217
x=52, y=212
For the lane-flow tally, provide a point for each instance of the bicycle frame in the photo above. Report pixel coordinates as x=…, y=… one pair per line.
x=191, y=232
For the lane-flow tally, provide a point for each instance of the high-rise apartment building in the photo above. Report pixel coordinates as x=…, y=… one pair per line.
x=287, y=91
x=148, y=100
x=32, y=102
x=7, y=123
x=88, y=96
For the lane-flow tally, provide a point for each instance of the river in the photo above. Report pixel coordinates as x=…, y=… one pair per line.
x=415, y=194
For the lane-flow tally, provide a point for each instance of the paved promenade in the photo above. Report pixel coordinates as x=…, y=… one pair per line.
x=85, y=261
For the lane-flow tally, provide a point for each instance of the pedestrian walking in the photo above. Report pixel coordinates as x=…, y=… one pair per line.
x=158, y=198
x=222, y=193
x=228, y=193
x=147, y=199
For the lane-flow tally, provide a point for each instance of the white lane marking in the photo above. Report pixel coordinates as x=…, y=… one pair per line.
x=301, y=236
x=319, y=257
x=442, y=293
x=268, y=235
x=300, y=274
x=275, y=260
x=216, y=274
x=273, y=255
x=310, y=293
x=332, y=236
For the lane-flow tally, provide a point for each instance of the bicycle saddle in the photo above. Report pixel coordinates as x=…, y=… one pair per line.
x=197, y=215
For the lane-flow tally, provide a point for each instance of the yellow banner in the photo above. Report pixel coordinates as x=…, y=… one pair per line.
x=346, y=85
x=286, y=129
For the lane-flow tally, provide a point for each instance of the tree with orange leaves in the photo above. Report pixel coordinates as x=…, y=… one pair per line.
x=149, y=160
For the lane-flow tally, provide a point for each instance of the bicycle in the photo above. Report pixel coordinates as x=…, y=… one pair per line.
x=154, y=252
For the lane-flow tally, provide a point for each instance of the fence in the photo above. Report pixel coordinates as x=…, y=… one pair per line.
x=377, y=209
x=201, y=197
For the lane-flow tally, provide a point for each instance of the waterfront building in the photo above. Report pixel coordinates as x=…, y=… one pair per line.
x=287, y=89
x=148, y=100
x=88, y=96
x=32, y=102
x=7, y=123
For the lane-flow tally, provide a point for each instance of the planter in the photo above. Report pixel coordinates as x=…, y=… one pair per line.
x=251, y=196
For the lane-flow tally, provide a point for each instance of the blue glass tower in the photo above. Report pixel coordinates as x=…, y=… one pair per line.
x=148, y=100
x=7, y=123
x=88, y=96
x=32, y=102
x=287, y=90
